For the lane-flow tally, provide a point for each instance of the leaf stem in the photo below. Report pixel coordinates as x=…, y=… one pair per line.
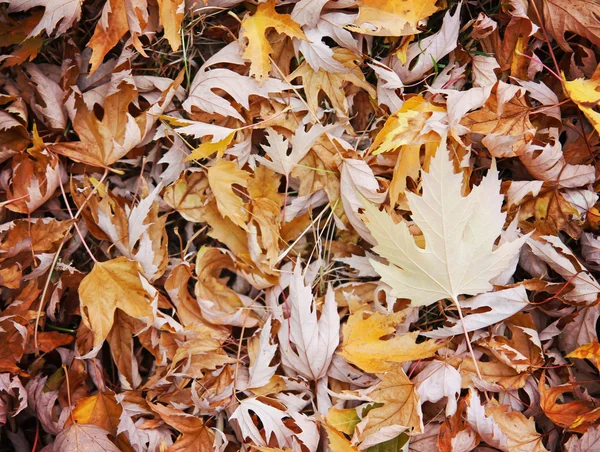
x=466, y=333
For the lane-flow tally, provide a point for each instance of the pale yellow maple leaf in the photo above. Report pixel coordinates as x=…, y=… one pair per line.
x=460, y=233
x=258, y=50
x=110, y=285
x=392, y=17
x=221, y=177
x=362, y=344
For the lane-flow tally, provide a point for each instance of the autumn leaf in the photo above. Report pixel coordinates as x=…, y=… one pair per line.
x=195, y=435
x=111, y=285
x=459, y=256
x=363, y=344
x=118, y=17
x=221, y=178
x=101, y=410
x=258, y=50
x=577, y=415
x=589, y=351
x=171, y=16
x=391, y=18
x=84, y=437
x=400, y=408
x=586, y=95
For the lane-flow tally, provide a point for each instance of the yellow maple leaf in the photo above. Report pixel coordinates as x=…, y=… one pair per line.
x=586, y=94
x=363, y=346
x=589, y=351
x=110, y=285
x=208, y=148
x=171, y=16
x=337, y=441
x=258, y=49
x=221, y=177
x=392, y=17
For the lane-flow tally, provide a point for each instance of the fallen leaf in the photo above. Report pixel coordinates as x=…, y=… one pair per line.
x=459, y=256
x=363, y=344
x=390, y=18
x=258, y=50
x=112, y=285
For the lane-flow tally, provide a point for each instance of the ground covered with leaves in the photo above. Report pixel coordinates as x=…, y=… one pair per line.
x=299, y=225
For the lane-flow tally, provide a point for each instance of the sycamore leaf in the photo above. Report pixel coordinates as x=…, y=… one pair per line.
x=106, y=140
x=258, y=50
x=118, y=17
x=314, y=340
x=221, y=178
x=333, y=84
x=283, y=162
x=437, y=380
x=240, y=87
x=391, y=17
x=84, y=438
x=363, y=346
x=520, y=432
x=459, y=256
x=110, y=285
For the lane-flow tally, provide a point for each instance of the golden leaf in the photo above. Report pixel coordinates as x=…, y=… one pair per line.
x=392, y=17
x=363, y=346
x=258, y=49
x=221, y=177
x=112, y=285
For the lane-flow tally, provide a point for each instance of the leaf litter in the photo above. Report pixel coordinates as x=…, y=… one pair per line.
x=299, y=226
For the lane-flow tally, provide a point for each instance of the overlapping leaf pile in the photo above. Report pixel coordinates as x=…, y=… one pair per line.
x=300, y=225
